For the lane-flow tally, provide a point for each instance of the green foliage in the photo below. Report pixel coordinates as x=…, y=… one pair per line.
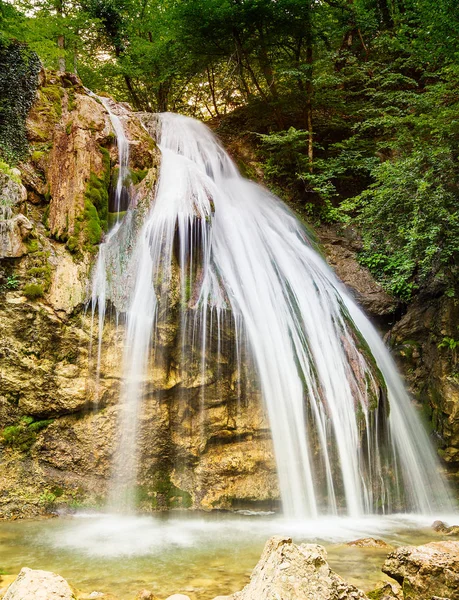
x=33, y=291
x=449, y=342
x=12, y=282
x=19, y=69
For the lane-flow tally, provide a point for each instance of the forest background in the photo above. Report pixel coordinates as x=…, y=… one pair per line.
x=351, y=107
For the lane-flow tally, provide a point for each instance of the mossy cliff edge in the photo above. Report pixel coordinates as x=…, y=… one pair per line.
x=57, y=423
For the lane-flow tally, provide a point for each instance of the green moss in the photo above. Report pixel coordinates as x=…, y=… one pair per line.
x=36, y=155
x=45, y=219
x=163, y=494
x=114, y=217
x=133, y=177
x=32, y=245
x=51, y=101
x=173, y=496
x=138, y=175
x=94, y=219
x=32, y=291
x=92, y=225
x=71, y=99
x=23, y=435
x=68, y=128
x=72, y=244
x=39, y=425
x=5, y=168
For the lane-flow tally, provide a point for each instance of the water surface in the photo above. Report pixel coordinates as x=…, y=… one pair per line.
x=201, y=555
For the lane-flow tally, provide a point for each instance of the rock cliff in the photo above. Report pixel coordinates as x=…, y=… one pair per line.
x=57, y=418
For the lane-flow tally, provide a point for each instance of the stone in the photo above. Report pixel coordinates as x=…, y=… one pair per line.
x=388, y=591
x=145, y=595
x=425, y=571
x=441, y=527
x=340, y=247
x=34, y=584
x=178, y=597
x=12, y=193
x=290, y=572
x=13, y=233
x=369, y=543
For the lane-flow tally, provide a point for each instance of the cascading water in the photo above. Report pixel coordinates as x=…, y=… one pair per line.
x=217, y=253
x=98, y=296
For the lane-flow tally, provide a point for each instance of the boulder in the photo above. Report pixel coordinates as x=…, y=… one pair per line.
x=39, y=585
x=426, y=571
x=441, y=527
x=13, y=233
x=292, y=572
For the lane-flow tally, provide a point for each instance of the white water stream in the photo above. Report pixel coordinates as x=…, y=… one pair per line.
x=345, y=442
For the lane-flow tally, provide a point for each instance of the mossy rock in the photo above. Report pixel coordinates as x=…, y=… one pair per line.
x=33, y=291
x=23, y=434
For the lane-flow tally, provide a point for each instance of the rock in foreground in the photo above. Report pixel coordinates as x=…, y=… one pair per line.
x=426, y=571
x=39, y=585
x=293, y=572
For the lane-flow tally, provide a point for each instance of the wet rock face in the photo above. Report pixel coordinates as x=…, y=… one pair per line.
x=341, y=249
x=420, y=342
x=426, y=571
x=295, y=572
x=58, y=421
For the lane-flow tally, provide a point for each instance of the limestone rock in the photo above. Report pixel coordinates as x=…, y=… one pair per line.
x=73, y=156
x=39, y=585
x=145, y=595
x=369, y=543
x=388, y=591
x=69, y=283
x=178, y=597
x=12, y=192
x=426, y=571
x=341, y=252
x=441, y=527
x=417, y=344
x=13, y=232
x=293, y=572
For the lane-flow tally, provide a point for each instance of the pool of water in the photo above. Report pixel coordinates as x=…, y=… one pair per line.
x=201, y=555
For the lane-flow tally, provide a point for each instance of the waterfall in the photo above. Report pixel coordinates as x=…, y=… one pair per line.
x=218, y=253
x=123, y=153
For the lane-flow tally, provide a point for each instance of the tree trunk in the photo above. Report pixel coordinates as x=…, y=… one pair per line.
x=135, y=98
x=59, y=5
x=61, y=59
x=309, y=88
x=211, y=80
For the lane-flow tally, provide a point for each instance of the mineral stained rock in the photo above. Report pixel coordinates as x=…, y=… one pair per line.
x=39, y=585
x=426, y=571
x=293, y=572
